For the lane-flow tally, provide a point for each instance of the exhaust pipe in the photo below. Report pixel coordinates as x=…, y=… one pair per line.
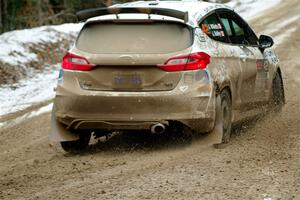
x=158, y=128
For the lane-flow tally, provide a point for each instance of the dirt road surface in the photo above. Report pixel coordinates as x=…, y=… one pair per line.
x=262, y=161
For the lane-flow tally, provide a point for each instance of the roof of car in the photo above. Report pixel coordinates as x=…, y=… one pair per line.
x=196, y=9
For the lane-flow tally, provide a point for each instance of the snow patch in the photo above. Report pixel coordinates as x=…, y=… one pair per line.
x=252, y=8
x=14, y=44
x=28, y=115
x=279, y=39
x=281, y=25
x=68, y=28
x=28, y=92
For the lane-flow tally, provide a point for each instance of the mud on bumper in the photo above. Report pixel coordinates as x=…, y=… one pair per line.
x=129, y=110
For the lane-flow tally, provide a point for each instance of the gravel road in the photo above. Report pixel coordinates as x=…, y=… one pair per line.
x=262, y=161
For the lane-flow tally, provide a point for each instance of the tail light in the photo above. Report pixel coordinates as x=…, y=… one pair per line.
x=74, y=62
x=188, y=62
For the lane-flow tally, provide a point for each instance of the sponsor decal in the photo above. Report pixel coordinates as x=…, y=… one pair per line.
x=215, y=26
x=218, y=33
x=202, y=38
x=214, y=30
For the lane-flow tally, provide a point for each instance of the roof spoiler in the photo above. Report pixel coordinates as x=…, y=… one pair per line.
x=94, y=12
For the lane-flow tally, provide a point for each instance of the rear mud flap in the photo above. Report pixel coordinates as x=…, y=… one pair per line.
x=217, y=132
x=58, y=133
x=215, y=136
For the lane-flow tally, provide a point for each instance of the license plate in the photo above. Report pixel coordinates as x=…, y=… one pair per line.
x=127, y=81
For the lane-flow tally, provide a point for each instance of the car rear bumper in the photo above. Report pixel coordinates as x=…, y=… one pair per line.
x=193, y=105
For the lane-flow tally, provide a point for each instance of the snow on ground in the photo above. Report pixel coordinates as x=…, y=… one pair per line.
x=280, y=25
x=14, y=50
x=39, y=88
x=19, y=96
x=252, y=8
x=31, y=114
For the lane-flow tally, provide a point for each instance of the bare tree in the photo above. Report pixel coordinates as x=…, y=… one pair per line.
x=40, y=12
x=4, y=14
x=1, y=21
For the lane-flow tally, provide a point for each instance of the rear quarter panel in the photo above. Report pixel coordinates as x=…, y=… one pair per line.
x=224, y=68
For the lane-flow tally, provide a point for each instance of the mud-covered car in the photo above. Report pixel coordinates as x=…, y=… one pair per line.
x=161, y=66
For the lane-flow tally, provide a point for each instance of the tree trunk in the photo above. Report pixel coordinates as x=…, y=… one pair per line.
x=1, y=21
x=66, y=5
x=4, y=16
x=108, y=3
x=40, y=12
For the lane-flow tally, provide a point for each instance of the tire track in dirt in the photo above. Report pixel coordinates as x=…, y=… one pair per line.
x=260, y=162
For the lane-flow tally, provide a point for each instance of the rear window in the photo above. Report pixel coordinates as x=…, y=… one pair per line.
x=156, y=37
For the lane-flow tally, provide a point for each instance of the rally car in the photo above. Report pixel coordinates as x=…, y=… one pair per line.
x=161, y=66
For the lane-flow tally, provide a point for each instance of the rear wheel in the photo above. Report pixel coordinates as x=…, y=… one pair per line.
x=78, y=145
x=226, y=114
x=278, y=98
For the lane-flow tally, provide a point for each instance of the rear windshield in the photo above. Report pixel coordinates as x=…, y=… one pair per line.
x=156, y=37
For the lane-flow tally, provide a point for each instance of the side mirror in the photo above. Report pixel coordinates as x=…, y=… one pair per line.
x=265, y=41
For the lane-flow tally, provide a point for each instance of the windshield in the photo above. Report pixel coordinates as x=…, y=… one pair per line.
x=128, y=37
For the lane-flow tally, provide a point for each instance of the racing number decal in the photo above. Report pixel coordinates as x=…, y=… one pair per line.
x=214, y=30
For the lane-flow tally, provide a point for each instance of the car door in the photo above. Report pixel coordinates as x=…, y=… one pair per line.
x=250, y=56
x=225, y=60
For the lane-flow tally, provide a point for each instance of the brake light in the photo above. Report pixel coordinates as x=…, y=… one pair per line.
x=188, y=62
x=74, y=62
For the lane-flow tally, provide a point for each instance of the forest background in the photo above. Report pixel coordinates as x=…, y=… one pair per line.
x=20, y=14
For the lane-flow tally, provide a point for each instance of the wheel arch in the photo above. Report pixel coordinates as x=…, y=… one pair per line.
x=225, y=86
x=278, y=71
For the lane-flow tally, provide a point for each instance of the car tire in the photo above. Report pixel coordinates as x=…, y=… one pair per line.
x=78, y=145
x=226, y=114
x=278, y=98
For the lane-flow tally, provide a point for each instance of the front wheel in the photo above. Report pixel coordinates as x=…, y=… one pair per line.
x=278, y=98
x=77, y=145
